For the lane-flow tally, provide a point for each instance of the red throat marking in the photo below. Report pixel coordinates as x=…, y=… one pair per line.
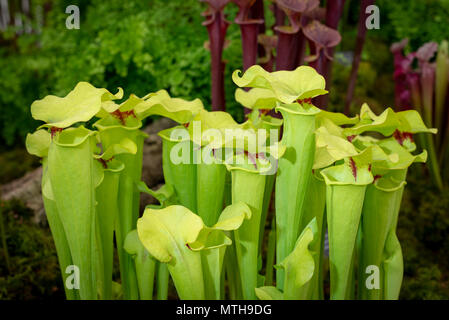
x=54, y=130
x=402, y=136
x=123, y=115
x=304, y=101
x=104, y=163
x=353, y=168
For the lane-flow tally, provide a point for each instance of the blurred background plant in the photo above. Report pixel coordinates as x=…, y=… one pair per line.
x=146, y=45
x=422, y=83
x=139, y=45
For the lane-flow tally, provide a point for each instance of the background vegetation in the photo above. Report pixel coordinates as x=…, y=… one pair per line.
x=144, y=46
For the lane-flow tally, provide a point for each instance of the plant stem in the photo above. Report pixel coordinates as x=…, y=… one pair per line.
x=162, y=278
x=128, y=214
x=433, y=161
x=210, y=186
x=344, y=207
x=74, y=195
x=301, y=46
x=258, y=12
x=315, y=204
x=216, y=28
x=441, y=89
x=183, y=176
x=232, y=271
x=279, y=15
x=269, y=185
x=145, y=269
x=292, y=180
x=379, y=211
x=249, y=28
x=334, y=12
x=286, y=51
x=361, y=35
x=247, y=236
x=59, y=236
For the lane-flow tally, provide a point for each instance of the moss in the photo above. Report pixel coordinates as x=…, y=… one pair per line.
x=422, y=229
x=33, y=271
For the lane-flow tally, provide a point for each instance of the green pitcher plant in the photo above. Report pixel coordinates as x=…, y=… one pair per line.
x=215, y=232
x=71, y=176
x=293, y=91
x=249, y=170
x=176, y=236
x=299, y=267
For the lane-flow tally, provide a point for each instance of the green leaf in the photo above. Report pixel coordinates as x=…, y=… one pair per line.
x=299, y=265
x=107, y=211
x=80, y=105
x=166, y=234
x=344, y=202
x=132, y=243
x=404, y=158
x=71, y=171
x=165, y=194
x=109, y=107
x=248, y=187
x=293, y=177
x=209, y=177
x=344, y=175
x=379, y=211
x=269, y=293
x=287, y=86
x=179, y=165
x=124, y=146
x=393, y=266
x=411, y=121
x=145, y=265
x=336, y=117
x=233, y=216
x=111, y=122
x=57, y=231
x=375, y=155
x=37, y=143
x=230, y=219
x=256, y=98
x=112, y=131
x=176, y=236
x=386, y=123
x=160, y=103
x=331, y=145
x=210, y=127
x=165, y=231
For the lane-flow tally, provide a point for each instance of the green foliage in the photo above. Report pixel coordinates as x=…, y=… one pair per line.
x=420, y=21
x=139, y=45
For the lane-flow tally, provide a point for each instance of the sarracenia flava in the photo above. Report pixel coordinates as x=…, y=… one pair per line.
x=214, y=232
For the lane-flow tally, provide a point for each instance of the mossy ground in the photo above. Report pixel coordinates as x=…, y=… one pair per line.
x=32, y=270
x=423, y=231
